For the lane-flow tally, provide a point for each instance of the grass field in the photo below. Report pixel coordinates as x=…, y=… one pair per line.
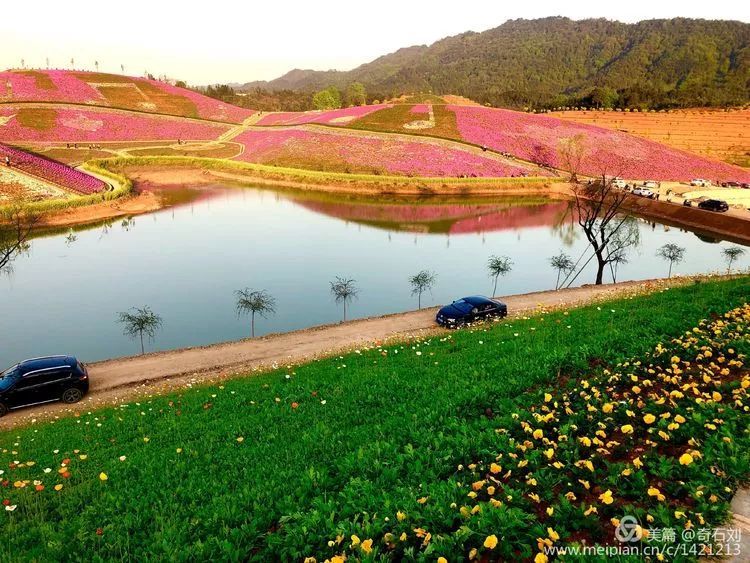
x=373, y=453
x=718, y=134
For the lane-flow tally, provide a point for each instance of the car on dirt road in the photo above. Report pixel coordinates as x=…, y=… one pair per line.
x=470, y=309
x=43, y=380
x=714, y=205
x=644, y=192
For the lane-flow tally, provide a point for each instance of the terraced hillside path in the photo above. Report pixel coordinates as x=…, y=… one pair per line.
x=121, y=379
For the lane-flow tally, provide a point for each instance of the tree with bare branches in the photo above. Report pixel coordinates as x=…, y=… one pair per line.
x=572, y=152
x=16, y=225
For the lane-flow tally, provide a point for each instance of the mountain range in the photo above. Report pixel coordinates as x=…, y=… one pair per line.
x=557, y=61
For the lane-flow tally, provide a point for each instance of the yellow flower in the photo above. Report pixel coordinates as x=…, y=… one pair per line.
x=607, y=407
x=538, y=434
x=540, y=558
x=550, y=510
x=606, y=497
x=355, y=541
x=490, y=541
x=442, y=560
x=637, y=463
x=103, y=476
x=553, y=535
x=626, y=429
x=401, y=516
x=58, y=487
x=495, y=468
x=547, y=397
x=716, y=396
x=649, y=418
x=686, y=459
x=367, y=546
x=654, y=492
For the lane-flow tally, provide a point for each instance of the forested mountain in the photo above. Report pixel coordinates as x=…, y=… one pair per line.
x=557, y=61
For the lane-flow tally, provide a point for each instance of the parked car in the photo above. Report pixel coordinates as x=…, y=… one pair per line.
x=651, y=184
x=714, y=205
x=43, y=380
x=746, y=185
x=700, y=182
x=644, y=192
x=730, y=184
x=470, y=309
x=619, y=183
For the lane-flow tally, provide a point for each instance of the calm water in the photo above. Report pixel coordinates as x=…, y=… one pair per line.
x=186, y=262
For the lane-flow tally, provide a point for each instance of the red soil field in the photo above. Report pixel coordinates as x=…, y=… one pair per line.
x=723, y=135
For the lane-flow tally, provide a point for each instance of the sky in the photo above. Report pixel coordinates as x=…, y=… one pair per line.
x=240, y=41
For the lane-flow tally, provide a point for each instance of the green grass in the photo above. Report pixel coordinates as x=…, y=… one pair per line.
x=394, y=427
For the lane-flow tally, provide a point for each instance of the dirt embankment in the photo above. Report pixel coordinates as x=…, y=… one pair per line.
x=724, y=225
x=122, y=379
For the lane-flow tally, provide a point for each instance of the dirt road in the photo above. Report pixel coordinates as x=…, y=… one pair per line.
x=117, y=380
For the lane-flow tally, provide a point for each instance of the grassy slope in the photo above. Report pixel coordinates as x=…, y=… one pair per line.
x=390, y=425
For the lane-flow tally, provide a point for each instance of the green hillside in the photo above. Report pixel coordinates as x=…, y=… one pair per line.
x=557, y=61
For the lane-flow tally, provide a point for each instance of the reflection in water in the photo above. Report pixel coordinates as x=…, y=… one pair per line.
x=436, y=216
x=187, y=261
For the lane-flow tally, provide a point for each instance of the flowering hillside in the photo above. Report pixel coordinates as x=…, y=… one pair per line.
x=537, y=138
x=82, y=125
x=369, y=154
x=50, y=170
x=112, y=90
x=341, y=116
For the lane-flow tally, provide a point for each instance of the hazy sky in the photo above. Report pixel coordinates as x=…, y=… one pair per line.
x=237, y=41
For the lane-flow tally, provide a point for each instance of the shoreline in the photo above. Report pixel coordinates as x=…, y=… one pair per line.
x=149, y=176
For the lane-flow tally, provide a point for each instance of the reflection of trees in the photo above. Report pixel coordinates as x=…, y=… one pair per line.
x=564, y=225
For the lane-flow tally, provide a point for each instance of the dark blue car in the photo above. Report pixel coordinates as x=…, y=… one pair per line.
x=43, y=380
x=469, y=310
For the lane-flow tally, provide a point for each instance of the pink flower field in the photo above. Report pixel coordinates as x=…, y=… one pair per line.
x=17, y=124
x=79, y=87
x=368, y=154
x=341, y=116
x=536, y=138
x=50, y=170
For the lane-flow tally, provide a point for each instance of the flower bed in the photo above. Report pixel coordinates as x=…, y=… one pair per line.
x=651, y=439
x=18, y=124
x=537, y=138
x=78, y=87
x=341, y=116
x=367, y=154
x=51, y=171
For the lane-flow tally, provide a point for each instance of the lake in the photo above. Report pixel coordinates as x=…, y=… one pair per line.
x=185, y=262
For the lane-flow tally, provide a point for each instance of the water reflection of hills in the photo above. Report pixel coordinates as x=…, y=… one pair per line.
x=440, y=217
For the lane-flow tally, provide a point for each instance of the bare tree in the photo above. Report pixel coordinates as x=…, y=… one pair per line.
x=572, y=152
x=498, y=266
x=731, y=254
x=599, y=212
x=16, y=225
x=252, y=302
x=96, y=65
x=617, y=260
x=421, y=282
x=672, y=253
x=562, y=263
x=344, y=290
x=139, y=322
